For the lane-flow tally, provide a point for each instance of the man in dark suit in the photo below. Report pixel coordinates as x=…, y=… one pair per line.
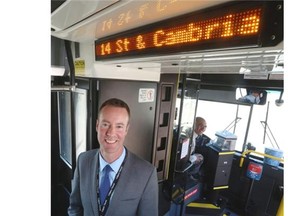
x=134, y=186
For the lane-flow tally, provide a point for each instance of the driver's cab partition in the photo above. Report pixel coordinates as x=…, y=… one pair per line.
x=178, y=187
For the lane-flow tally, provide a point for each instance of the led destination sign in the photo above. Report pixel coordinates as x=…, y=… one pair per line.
x=234, y=28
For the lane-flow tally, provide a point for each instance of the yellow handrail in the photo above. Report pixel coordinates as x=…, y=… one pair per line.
x=259, y=153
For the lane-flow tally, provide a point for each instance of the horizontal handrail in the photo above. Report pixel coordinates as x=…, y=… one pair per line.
x=259, y=153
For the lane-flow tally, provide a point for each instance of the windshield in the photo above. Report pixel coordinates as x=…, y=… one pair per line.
x=235, y=118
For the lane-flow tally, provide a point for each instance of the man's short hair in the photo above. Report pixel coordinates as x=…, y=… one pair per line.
x=115, y=102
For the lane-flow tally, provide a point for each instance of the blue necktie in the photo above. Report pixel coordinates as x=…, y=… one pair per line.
x=105, y=185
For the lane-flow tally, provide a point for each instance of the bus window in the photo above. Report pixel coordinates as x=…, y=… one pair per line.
x=224, y=116
x=266, y=124
x=264, y=129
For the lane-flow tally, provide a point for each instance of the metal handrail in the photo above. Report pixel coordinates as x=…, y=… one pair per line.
x=259, y=153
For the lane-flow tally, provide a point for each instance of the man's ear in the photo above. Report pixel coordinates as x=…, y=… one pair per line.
x=97, y=124
x=127, y=127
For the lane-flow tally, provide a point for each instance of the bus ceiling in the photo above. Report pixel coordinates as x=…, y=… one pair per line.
x=232, y=81
x=232, y=88
x=87, y=22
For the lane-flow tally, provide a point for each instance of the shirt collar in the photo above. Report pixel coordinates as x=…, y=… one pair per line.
x=115, y=165
x=195, y=134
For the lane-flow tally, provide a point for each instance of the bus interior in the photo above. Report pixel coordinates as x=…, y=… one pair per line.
x=167, y=85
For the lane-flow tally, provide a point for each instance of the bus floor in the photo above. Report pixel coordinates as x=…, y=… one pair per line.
x=225, y=212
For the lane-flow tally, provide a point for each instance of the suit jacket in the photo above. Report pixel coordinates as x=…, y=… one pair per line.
x=201, y=145
x=136, y=192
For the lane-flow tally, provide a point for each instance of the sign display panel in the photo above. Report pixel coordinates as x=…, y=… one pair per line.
x=230, y=25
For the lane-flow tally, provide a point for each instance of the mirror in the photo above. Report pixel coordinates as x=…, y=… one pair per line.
x=251, y=96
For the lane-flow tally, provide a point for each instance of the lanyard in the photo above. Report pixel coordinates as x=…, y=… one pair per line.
x=104, y=207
